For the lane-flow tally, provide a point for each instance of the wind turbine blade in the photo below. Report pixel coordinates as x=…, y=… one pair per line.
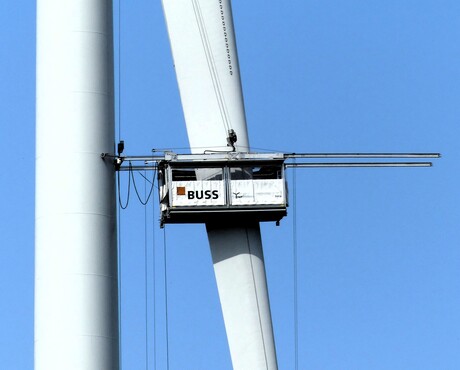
x=206, y=61
x=204, y=51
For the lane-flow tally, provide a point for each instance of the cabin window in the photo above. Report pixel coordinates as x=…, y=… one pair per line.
x=197, y=174
x=183, y=174
x=256, y=173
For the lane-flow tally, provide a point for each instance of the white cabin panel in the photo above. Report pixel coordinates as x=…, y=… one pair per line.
x=257, y=192
x=197, y=193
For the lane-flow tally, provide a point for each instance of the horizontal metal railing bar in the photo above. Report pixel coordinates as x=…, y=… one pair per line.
x=143, y=158
x=314, y=165
x=359, y=164
x=138, y=168
x=156, y=158
x=363, y=155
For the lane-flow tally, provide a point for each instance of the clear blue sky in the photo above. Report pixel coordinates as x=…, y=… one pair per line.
x=378, y=249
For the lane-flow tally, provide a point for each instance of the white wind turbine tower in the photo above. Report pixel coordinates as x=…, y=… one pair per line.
x=76, y=299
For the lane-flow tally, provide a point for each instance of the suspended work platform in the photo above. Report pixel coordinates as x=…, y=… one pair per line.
x=240, y=187
x=220, y=187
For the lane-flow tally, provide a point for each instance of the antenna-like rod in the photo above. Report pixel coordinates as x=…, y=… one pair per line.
x=363, y=155
x=359, y=164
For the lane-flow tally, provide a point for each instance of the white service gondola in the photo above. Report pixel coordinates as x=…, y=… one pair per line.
x=237, y=187
x=232, y=186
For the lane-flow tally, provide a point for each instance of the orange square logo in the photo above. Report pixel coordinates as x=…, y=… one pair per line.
x=181, y=190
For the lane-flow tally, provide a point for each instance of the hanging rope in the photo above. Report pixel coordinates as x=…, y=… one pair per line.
x=146, y=281
x=119, y=70
x=295, y=277
x=218, y=91
x=120, y=203
x=131, y=174
x=144, y=201
x=132, y=178
x=166, y=298
x=119, y=259
x=154, y=292
x=119, y=287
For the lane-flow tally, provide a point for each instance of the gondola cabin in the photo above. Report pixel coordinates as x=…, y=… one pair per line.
x=233, y=187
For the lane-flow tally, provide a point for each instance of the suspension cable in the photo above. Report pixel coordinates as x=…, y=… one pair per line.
x=120, y=206
x=146, y=197
x=166, y=298
x=119, y=288
x=119, y=267
x=119, y=70
x=212, y=68
x=146, y=280
x=295, y=272
x=120, y=203
x=154, y=291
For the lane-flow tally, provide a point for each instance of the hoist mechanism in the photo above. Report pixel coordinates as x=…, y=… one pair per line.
x=238, y=186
